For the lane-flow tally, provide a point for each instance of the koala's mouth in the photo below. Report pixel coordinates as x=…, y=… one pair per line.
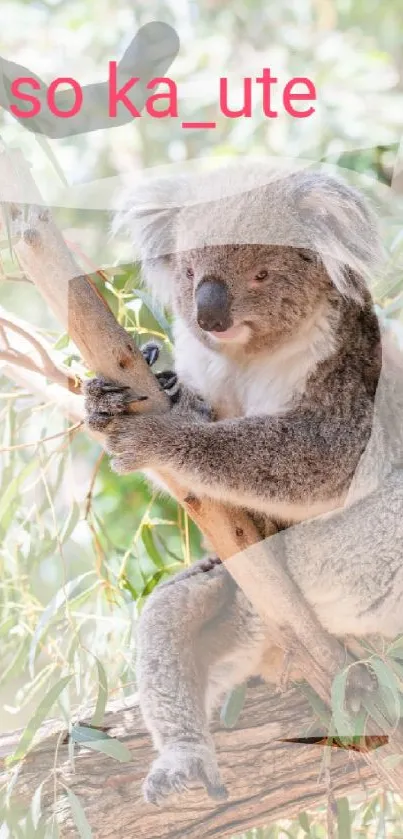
x=238, y=334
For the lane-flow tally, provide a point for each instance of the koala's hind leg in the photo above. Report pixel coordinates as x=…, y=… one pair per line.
x=193, y=644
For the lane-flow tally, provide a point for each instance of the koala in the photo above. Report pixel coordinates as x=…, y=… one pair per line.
x=282, y=404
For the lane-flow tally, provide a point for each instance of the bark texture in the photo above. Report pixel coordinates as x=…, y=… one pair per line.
x=268, y=780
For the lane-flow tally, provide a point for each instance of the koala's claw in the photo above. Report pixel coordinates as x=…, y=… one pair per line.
x=180, y=768
x=159, y=784
x=101, y=386
x=104, y=400
x=168, y=380
x=150, y=352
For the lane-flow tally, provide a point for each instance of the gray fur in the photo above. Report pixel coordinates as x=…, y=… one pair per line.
x=284, y=421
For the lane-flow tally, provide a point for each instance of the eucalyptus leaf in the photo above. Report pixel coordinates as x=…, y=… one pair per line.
x=36, y=808
x=80, y=819
x=70, y=523
x=150, y=546
x=62, y=597
x=99, y=741
x=344, y=819
x=152, y=583
x=62, y=342
x=304, y=822
x=341, y=720
x=102, y=698
x=11, y=492
x=17, y=663
x=156, y=312
x=38, y=717
x=319, y=707
x=389, y=689
x=233, y=706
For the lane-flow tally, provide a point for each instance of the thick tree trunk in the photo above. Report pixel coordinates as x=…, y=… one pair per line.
x=267, y=780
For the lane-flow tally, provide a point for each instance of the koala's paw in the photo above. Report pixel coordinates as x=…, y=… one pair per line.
x=361, y=682
x=105, y=399
x=188, y=403
x=180, y=767
x=168, y=379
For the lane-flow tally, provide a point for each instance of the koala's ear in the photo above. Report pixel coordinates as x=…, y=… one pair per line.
x=342, y=229
x=148, y=213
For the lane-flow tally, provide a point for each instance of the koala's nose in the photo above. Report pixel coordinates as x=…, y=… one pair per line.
x=213, y=306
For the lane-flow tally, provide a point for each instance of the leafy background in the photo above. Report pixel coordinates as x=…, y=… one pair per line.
x=80, y=547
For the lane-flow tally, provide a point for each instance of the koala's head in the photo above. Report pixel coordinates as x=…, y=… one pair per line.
x=246, y=257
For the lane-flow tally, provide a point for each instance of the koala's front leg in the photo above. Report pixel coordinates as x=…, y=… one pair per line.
x=251, y=461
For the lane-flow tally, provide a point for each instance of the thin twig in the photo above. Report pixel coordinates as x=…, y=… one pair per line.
x=48, y=368
x=88, y=500
x=15, y=327
x=72, y=429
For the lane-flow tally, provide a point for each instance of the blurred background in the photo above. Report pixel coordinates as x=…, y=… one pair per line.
x=81, y=548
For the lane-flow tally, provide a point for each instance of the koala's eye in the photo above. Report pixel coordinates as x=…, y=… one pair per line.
x=262, y=275
x=190, y=273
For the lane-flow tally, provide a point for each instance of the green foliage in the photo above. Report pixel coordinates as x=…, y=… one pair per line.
x=100, y=742
x=233, y=705
x=42, y=711
x=80, y=819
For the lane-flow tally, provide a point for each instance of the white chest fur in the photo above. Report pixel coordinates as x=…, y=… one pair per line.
x=264, y=385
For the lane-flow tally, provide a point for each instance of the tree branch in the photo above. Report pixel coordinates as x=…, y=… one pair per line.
x=17, y=351
x=68, y=402
x=267, y=779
